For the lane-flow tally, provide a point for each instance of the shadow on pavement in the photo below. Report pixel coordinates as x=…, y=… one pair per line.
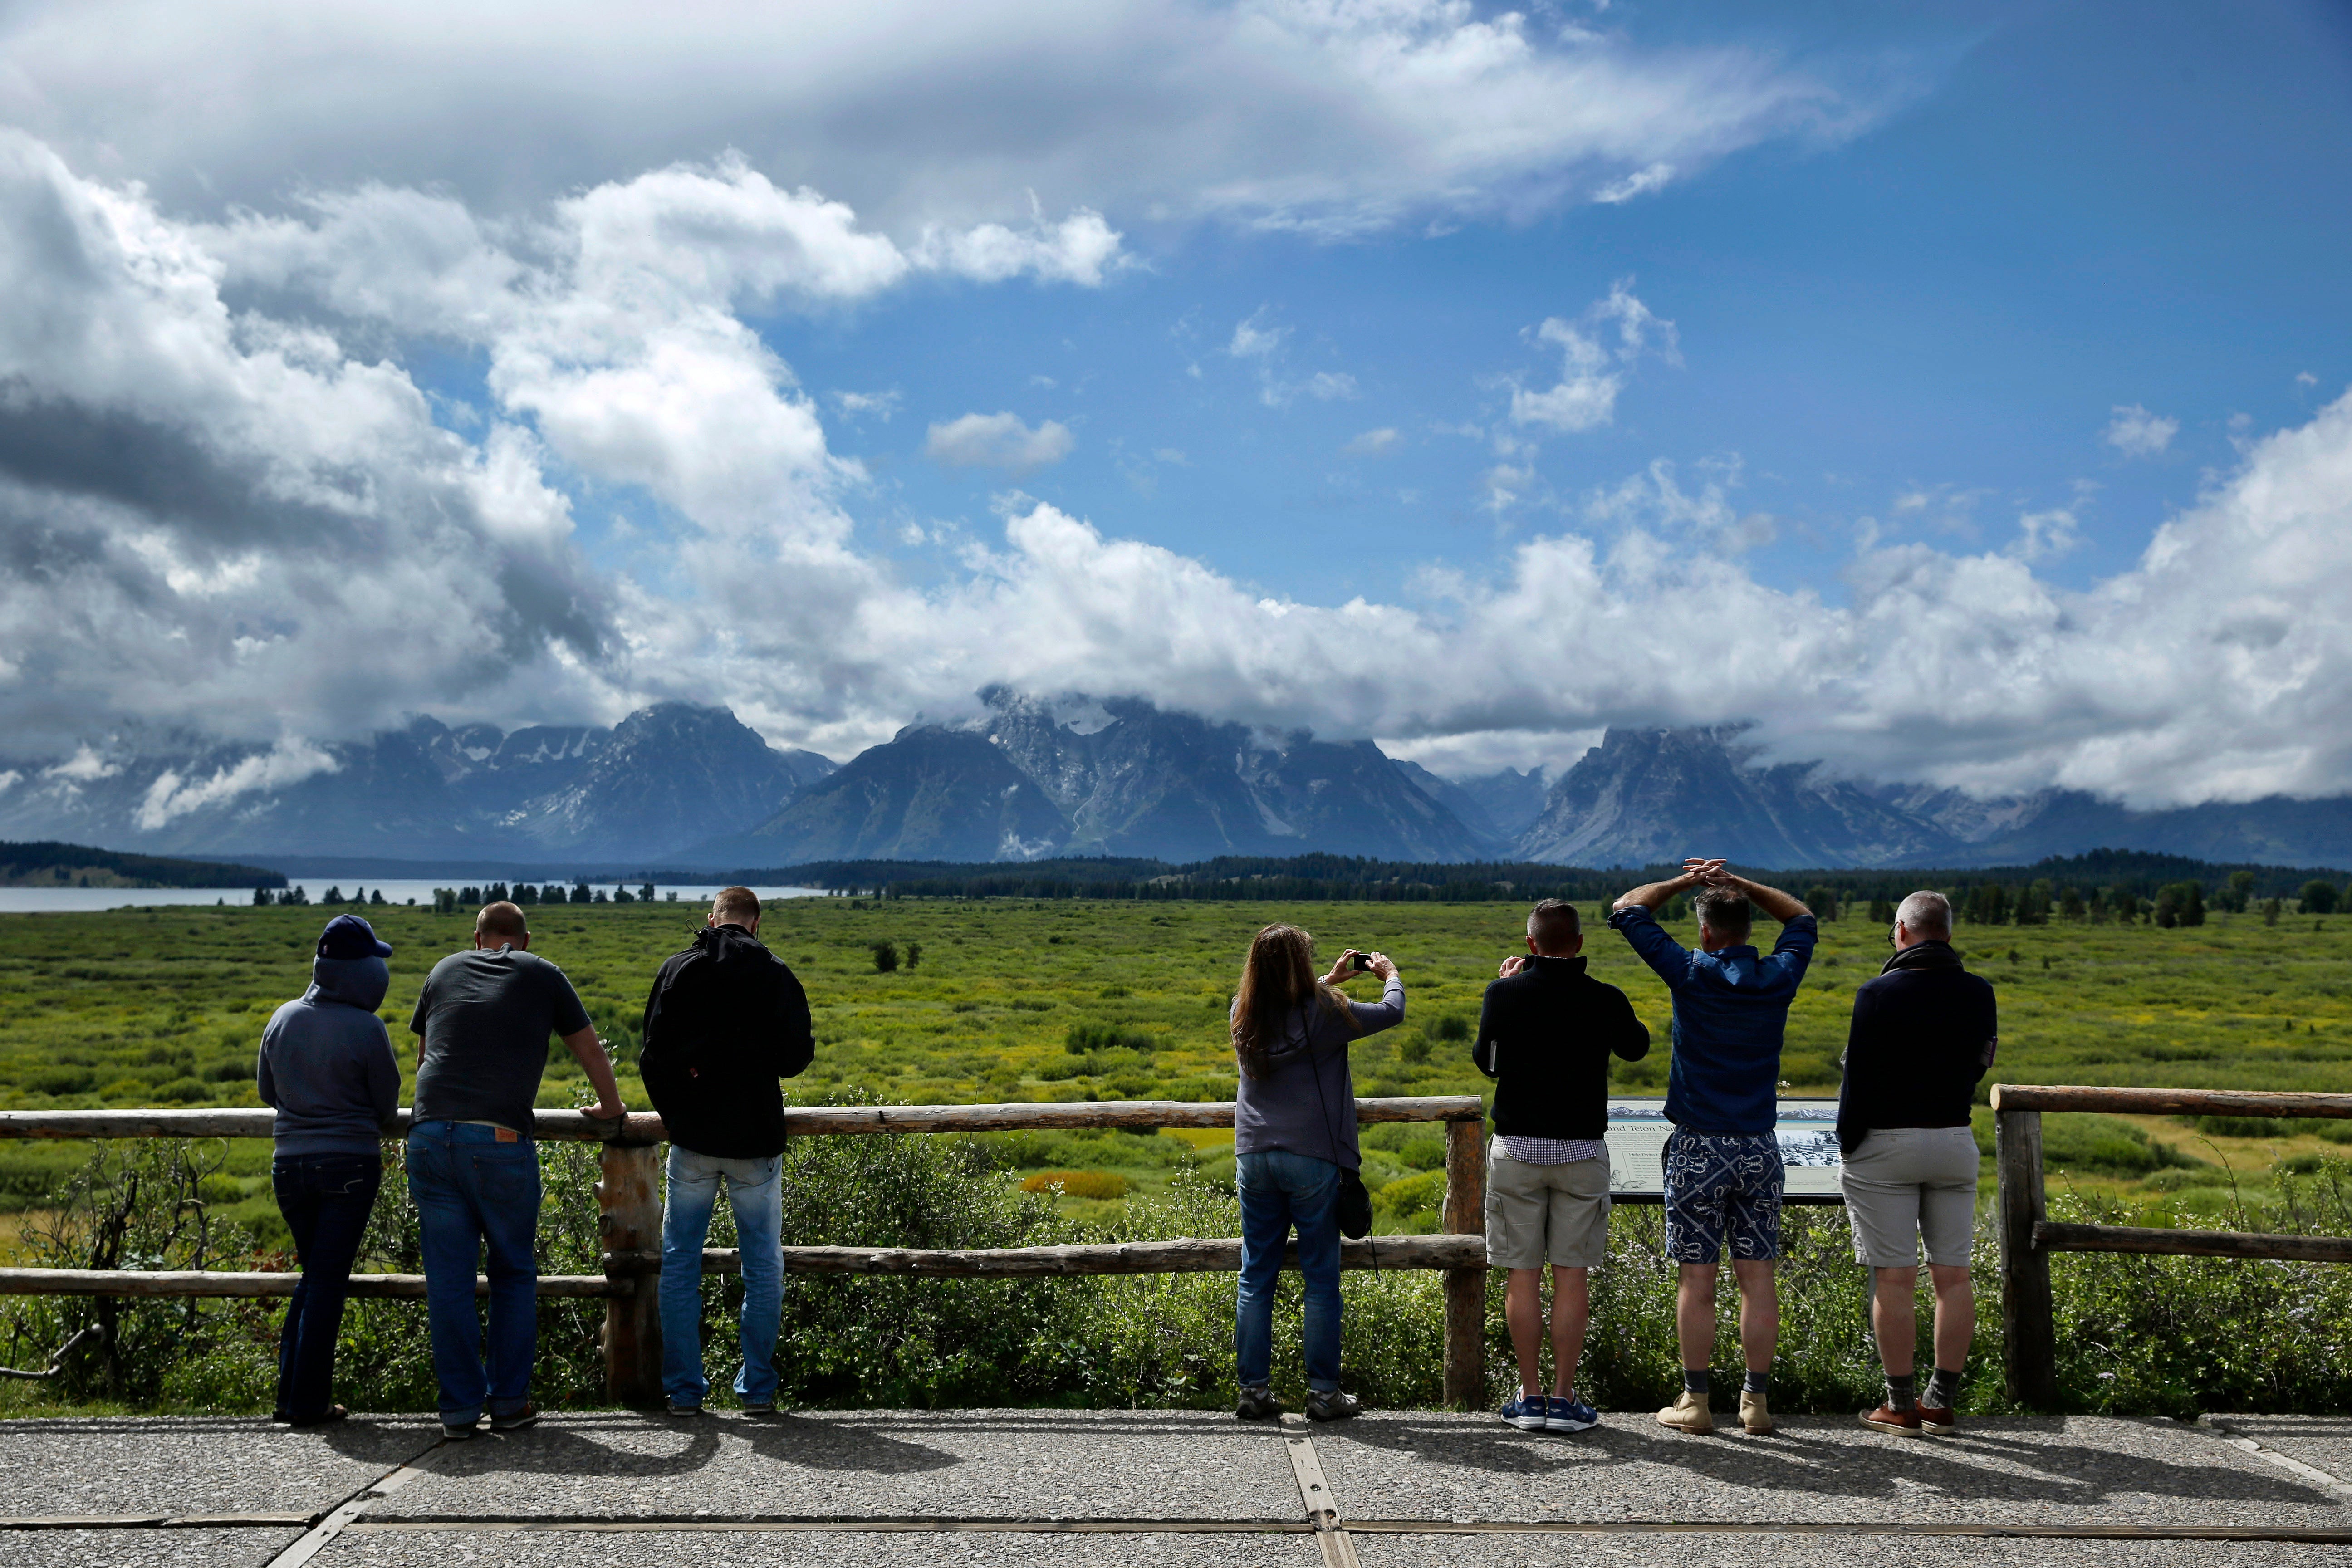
x=2006, y=1466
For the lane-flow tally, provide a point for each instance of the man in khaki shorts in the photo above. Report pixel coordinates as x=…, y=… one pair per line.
x=1546, y=1034
x=1923, y=1033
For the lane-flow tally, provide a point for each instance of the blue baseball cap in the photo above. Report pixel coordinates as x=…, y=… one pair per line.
x=347, y=936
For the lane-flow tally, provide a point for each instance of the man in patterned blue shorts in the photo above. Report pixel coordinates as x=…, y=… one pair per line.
x=1722, y=1160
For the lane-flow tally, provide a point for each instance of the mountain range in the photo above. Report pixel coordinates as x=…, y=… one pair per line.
x=690, y=787
x=663, y=779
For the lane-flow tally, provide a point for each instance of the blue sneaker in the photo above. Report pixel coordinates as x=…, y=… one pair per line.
x=1527, y=1413
x=1569, y=1416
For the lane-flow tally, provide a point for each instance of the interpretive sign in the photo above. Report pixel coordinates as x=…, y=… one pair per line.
x=1637, y=1142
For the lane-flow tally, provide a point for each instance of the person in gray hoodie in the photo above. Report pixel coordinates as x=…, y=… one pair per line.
x=327, y=1068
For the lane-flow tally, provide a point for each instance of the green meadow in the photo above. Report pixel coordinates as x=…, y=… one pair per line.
x=1071, y=1000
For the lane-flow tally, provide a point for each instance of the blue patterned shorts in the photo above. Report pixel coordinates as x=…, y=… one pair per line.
x=1722, y=1189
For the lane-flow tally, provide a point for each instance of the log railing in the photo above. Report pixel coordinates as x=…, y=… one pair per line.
x=2028, y=1237
x=628, y=1202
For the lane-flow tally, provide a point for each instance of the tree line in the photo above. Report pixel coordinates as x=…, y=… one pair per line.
x=2106, y=884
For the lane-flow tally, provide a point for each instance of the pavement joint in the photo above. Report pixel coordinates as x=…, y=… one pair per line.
x=2312, y=1473
x=1315, y=1492
x=315, y=1540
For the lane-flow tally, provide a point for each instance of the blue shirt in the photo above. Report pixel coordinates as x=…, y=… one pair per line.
x=1730, y=1009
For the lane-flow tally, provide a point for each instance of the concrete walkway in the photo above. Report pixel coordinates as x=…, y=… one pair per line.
x=1087, y=1487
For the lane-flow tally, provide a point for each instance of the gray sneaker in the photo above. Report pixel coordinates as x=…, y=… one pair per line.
x=1257, y=1404
x=684, y=1411
x=758, y=1407
x=1330, y=1404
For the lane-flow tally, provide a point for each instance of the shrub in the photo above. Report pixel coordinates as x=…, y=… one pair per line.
x=2243, y=1126
x=1077, y=1184
x=1085, y=1037
x=1414, y=1050
x=2104, y=1143
x=1453, y=1026
x=885, y=957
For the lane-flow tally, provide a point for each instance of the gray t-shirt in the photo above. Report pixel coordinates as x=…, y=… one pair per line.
x=486, y=1017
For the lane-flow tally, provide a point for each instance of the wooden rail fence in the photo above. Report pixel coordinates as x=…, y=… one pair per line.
x=2028, y=1237
x=628, y=1202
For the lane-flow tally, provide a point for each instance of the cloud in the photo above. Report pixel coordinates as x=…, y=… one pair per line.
x=222, y=517
x=1337, y=117
x=998, y=441
x=1640, y=182
x=1592, y=371
x=1374, y=443
x=289, y=762
x=2137, y=433
x=881, y=404
x=1263, y=346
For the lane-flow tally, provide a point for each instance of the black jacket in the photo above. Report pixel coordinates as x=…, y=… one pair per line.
x=1546, y=1035
x=725, y=1022
x=1924, y=1033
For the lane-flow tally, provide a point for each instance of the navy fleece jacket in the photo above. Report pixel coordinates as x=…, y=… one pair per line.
x=327, y=1067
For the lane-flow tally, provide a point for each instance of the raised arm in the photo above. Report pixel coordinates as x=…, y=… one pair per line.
x=1653, y=894
x=1771, y=900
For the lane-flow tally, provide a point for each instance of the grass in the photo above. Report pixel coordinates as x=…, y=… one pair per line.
x=1067, y=1000
x=1071, y=1000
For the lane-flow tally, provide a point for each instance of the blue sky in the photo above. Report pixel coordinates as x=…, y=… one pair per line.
x=1954, y=393
x=2064, y=212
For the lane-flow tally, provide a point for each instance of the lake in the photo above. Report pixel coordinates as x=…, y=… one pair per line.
x=74, y=900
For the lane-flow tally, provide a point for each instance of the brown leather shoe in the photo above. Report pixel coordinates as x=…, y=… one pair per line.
x=1941, y=1423
x=1902, y=1422
x=1688, y=1413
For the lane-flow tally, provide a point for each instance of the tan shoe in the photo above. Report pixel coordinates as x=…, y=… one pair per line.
x=1689, y=1414
x=1753, y=1415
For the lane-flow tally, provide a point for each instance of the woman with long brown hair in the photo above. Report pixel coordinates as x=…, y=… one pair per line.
x=1293, y=1143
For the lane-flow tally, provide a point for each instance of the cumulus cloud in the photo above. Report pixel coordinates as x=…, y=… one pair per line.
x=2137, y=433
x=1374, y=443
x=998, y=441
x=205, y=510
x=1335, y=116
x=289, y=762
x=1592, y=369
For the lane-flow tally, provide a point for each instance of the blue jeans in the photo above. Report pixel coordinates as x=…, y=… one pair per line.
x=325, y=1199
x=755, y=1192
x=1279, y=1190
x=472, y=1190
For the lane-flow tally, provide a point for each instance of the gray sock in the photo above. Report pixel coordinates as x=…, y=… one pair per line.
x=1943, y=1389
x=1903, y=1393
x=1695, y=1381
x=1757, y=1382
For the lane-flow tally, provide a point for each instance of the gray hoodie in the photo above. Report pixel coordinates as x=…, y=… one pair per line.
x=1306, y=1103
x=327, y=1066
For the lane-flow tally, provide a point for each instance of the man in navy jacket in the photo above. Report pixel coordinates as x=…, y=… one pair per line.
x=1923, y=1033
x=1546, y=1034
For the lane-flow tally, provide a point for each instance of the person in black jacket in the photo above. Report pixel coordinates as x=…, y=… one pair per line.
x=1924, y=1033
x=726, y=1021
x=1545, y=1036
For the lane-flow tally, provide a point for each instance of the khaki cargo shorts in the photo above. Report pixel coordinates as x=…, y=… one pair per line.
x=1909, y=1183
x=1545, y=1214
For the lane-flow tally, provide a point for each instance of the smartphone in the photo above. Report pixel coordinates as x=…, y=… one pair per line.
x=1363, y=962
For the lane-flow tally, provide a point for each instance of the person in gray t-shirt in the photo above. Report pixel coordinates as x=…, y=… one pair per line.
x=482, y=1025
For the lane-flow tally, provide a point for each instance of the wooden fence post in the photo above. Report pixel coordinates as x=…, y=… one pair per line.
x=2028, y=1315
x=1466, y=1289
x=629, y=1222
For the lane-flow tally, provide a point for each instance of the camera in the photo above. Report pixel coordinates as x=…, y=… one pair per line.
x=1363, y=962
